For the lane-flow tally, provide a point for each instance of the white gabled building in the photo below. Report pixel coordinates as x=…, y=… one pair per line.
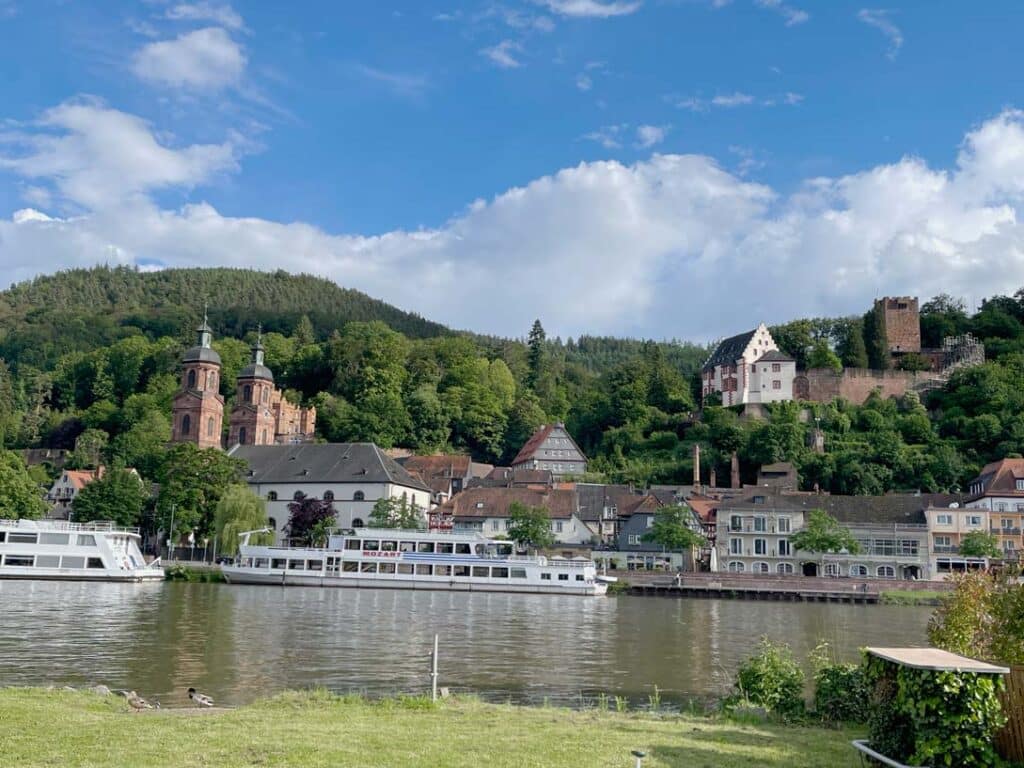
x=749, y=368
x=352, y=476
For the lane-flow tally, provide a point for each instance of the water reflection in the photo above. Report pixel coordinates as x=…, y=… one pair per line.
x=240, y=643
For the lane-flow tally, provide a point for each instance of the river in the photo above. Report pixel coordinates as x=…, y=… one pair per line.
x=239, y=643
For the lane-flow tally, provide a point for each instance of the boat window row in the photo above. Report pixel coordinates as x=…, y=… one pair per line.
x=423, y=547
x=50, y=539
x=52, y=561
x=561, y=577
x=336, y=565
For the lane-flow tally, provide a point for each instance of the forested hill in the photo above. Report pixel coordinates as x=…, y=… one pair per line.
x=85, y=309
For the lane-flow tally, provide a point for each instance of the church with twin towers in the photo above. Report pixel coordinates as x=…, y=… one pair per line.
x=260, y=416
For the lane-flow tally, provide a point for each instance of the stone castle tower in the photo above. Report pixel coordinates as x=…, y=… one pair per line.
x=252, y=420
x=902, y=323
x=198, y=408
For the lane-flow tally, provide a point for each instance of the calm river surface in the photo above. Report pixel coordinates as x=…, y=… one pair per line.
x=238, y=643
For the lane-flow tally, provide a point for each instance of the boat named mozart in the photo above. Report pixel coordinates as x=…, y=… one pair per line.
x=402, y=559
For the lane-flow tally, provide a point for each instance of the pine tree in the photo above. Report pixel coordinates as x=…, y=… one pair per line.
x=536, y=354
x=875, y=338
x=851, y=349
x=303, y=333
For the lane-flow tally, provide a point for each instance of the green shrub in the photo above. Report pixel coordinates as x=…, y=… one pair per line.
x=927, y=717
x=771, y=679
x=840, y=692
x=983, y=618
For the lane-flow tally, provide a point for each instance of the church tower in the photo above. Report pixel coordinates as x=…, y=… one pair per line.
x=252, y=420
x=198, y=409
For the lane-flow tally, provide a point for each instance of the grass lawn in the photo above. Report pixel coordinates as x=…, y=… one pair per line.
x=75, y=728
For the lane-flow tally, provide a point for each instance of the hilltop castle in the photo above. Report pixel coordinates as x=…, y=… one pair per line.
x=260, y=416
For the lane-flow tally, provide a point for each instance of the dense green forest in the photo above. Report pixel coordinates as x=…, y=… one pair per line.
x=89, y=361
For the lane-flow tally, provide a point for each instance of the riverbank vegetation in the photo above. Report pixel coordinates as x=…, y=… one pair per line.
x=318, y=729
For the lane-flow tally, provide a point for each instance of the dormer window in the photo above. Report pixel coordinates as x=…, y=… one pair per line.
x=1020, y=484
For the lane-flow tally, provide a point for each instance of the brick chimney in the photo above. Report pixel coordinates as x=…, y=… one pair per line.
x=696, y=466
x=734, y=480
x=712, y=477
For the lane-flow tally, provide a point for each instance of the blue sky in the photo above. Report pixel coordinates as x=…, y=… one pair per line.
x=666, y=168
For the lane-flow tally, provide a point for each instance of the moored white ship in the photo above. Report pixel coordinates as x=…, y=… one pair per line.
x=400, y=559
x=55, y=549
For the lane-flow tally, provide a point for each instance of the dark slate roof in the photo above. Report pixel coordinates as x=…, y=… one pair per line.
x=323, y=463
x=256, y=371
x=199, y=354
x=904, y=508
x=594, y=497
x=729, y=350
x=774, y=356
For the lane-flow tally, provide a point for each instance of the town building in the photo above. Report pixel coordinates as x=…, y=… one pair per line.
x=755, y=528
x=352, y=476
x=261, y=415
x=635, y=553
x=65, y=488
x=999, y=488
x=487, y=511
x=552, y=448
x=599, y=506
x=947, y=525
x=446, y=474
x=197, y=411
x=749, y=368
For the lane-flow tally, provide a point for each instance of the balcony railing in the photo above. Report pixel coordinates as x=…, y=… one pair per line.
x=946, y=549
x=1005, y=531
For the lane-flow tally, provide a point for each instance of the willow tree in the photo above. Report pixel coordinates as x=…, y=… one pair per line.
x=240, y=510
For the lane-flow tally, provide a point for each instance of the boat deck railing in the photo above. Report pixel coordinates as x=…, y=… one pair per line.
x=96, y=526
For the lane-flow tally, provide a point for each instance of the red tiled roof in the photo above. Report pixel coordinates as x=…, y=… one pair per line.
x=536, y=439
x=647, y=503
x=1000, y=478
x=443, y=465
x=81, y=477
x=495, y=502
x=705, y=508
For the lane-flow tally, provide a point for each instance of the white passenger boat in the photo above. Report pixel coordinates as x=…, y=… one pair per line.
x=400, y=559
x=55, y=549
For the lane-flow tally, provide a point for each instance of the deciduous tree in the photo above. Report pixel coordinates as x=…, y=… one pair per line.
x=20, y=496
x=119, y=496
x=392, y=512
x=238, y=511
x=673, y=529
x=304, y=515
x=529, y=526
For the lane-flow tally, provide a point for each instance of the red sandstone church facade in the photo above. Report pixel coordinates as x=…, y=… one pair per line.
x=260, y=416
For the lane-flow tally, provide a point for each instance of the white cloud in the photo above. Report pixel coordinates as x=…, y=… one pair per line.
x=95, y=156
x=735, y=99
x=608, y=136
x=504, y=54
x=584, y=82
x=221, y=15
x=649, y=135
x=202, y=60
x=596, y=9
x=793, y=16
x=672, y=246
x=879, y=19
x=400, y=83
x=747, y=160
x=793, y=99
